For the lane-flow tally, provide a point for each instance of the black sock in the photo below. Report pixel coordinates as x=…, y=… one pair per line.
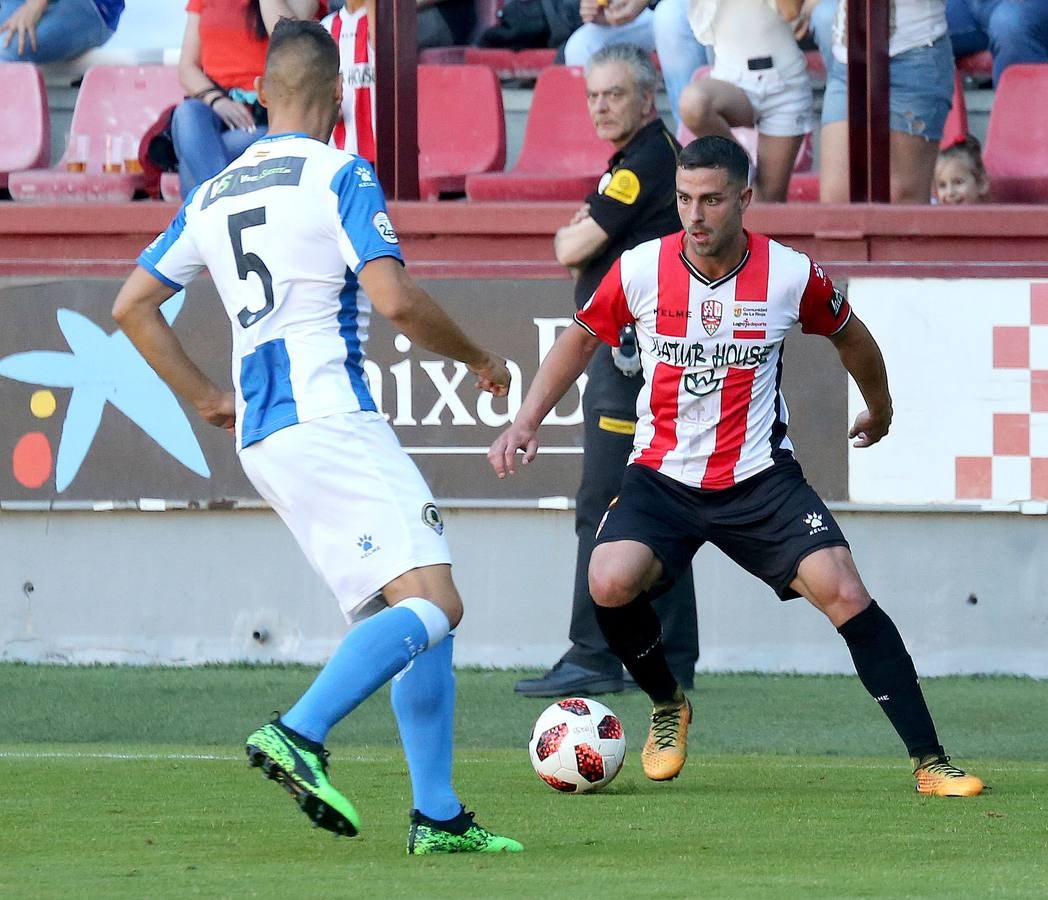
x=886, y=671
x=634, y=635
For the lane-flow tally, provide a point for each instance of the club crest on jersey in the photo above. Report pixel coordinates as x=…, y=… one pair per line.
x=711, y=311
x=431, y=516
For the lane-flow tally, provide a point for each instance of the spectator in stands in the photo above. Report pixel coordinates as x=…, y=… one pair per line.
x=759, y=79
x=223, y=50
x=663, y=30
x=921, y=93
x=45, y=31
x=817, y=16
x=1014, y=31
x=445, y=23
x=960, y=176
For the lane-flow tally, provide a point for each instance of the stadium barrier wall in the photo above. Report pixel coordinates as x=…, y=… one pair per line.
x=139, y=546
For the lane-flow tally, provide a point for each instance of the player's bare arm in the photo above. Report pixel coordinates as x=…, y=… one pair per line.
x=861, y=356
x=565, y=362
x=414, y=312
x=137, y=311
x=576, y=243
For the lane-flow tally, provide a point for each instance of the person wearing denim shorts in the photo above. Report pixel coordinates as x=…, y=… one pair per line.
x=39, y=31
x=921, y=72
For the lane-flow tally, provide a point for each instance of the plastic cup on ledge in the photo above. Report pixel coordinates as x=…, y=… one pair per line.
x=78, y=152
x=114, y=158
x=132, y=166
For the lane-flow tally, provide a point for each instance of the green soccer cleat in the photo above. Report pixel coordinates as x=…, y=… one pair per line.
x=300, y=765
x=458, y=835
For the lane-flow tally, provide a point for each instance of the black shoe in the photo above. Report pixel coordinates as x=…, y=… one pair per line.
x=566, y=679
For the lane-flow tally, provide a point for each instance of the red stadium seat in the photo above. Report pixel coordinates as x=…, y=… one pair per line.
x=561, y=157
x=113, y=101
x=461, y=127
x=1016, y=152
x=25, y=123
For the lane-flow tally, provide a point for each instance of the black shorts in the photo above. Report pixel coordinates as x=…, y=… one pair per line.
x=767, y=524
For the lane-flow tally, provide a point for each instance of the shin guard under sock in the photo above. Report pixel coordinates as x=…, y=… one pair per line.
x=634, y=635
x=886, y=671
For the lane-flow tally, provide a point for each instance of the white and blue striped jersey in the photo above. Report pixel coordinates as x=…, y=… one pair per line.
x=285, y=230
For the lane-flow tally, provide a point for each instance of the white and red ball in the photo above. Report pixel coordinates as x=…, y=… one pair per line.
x=577, y=745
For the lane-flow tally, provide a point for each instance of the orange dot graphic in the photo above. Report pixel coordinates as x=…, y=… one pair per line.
x=32, y=460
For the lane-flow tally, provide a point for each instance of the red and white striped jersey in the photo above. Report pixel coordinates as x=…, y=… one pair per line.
x=711, y=412
x=355, y=131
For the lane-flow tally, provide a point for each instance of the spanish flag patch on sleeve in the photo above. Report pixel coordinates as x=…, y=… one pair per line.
x=624, y=186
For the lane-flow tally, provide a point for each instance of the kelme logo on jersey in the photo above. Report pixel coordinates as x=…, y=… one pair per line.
x=431, y=516
x=814, y=521
x=367, y=546
x=385, y=228
x=711, y=312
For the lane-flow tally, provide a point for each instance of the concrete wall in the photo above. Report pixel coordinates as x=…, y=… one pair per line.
x=968, y=590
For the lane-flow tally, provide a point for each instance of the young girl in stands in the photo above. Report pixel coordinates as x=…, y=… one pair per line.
x=960, y=176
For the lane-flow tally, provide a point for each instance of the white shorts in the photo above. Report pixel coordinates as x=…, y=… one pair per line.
x=782, y=103
x=355, y=502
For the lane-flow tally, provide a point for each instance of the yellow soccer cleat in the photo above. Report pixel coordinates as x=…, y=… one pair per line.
x=937, y=777
x=666, y=749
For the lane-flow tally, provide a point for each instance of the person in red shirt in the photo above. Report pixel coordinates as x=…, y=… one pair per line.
x=711, y=306
x=223, y=50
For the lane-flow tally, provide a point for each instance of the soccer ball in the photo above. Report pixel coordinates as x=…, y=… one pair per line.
x=577, y=745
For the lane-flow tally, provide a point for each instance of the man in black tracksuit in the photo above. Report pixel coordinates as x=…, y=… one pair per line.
x=634, y=202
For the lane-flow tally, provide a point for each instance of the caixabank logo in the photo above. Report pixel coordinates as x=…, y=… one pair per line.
x=67, y=392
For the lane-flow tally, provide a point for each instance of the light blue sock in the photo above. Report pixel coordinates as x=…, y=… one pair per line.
x=424, y=703
x=372, y=653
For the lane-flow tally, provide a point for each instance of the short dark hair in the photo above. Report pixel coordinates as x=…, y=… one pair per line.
x=716, y=152
x=310, y=37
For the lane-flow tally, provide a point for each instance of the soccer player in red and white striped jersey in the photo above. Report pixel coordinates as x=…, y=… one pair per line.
x=352, y=27
x=711, y=306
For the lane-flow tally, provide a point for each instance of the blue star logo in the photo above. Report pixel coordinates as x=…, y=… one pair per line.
x=106, y=368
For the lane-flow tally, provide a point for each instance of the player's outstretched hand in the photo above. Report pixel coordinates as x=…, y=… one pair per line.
x=492, y=376
x=868, y=428
x=503, y=453
x=219, y=410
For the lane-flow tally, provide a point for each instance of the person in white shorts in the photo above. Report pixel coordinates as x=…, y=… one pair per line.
x=297, y=238
x=759, y=79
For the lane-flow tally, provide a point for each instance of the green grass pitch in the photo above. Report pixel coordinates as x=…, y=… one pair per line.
x=122, y=782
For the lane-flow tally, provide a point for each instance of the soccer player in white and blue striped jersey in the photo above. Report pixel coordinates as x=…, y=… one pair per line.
x=297, y=239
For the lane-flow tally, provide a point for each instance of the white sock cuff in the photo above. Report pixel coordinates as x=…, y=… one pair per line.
x=432, y=617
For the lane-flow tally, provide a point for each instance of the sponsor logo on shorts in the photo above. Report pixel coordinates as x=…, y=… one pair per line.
x=431, y=516
x=367, y=546
x=814, y=521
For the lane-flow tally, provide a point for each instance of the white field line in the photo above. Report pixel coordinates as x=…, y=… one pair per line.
x=217, y=757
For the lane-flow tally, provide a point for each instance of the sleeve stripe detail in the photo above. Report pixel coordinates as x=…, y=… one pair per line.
x=157, y=274
x=583, y=325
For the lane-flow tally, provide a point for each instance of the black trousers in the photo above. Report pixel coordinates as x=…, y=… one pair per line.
x=613, y=395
